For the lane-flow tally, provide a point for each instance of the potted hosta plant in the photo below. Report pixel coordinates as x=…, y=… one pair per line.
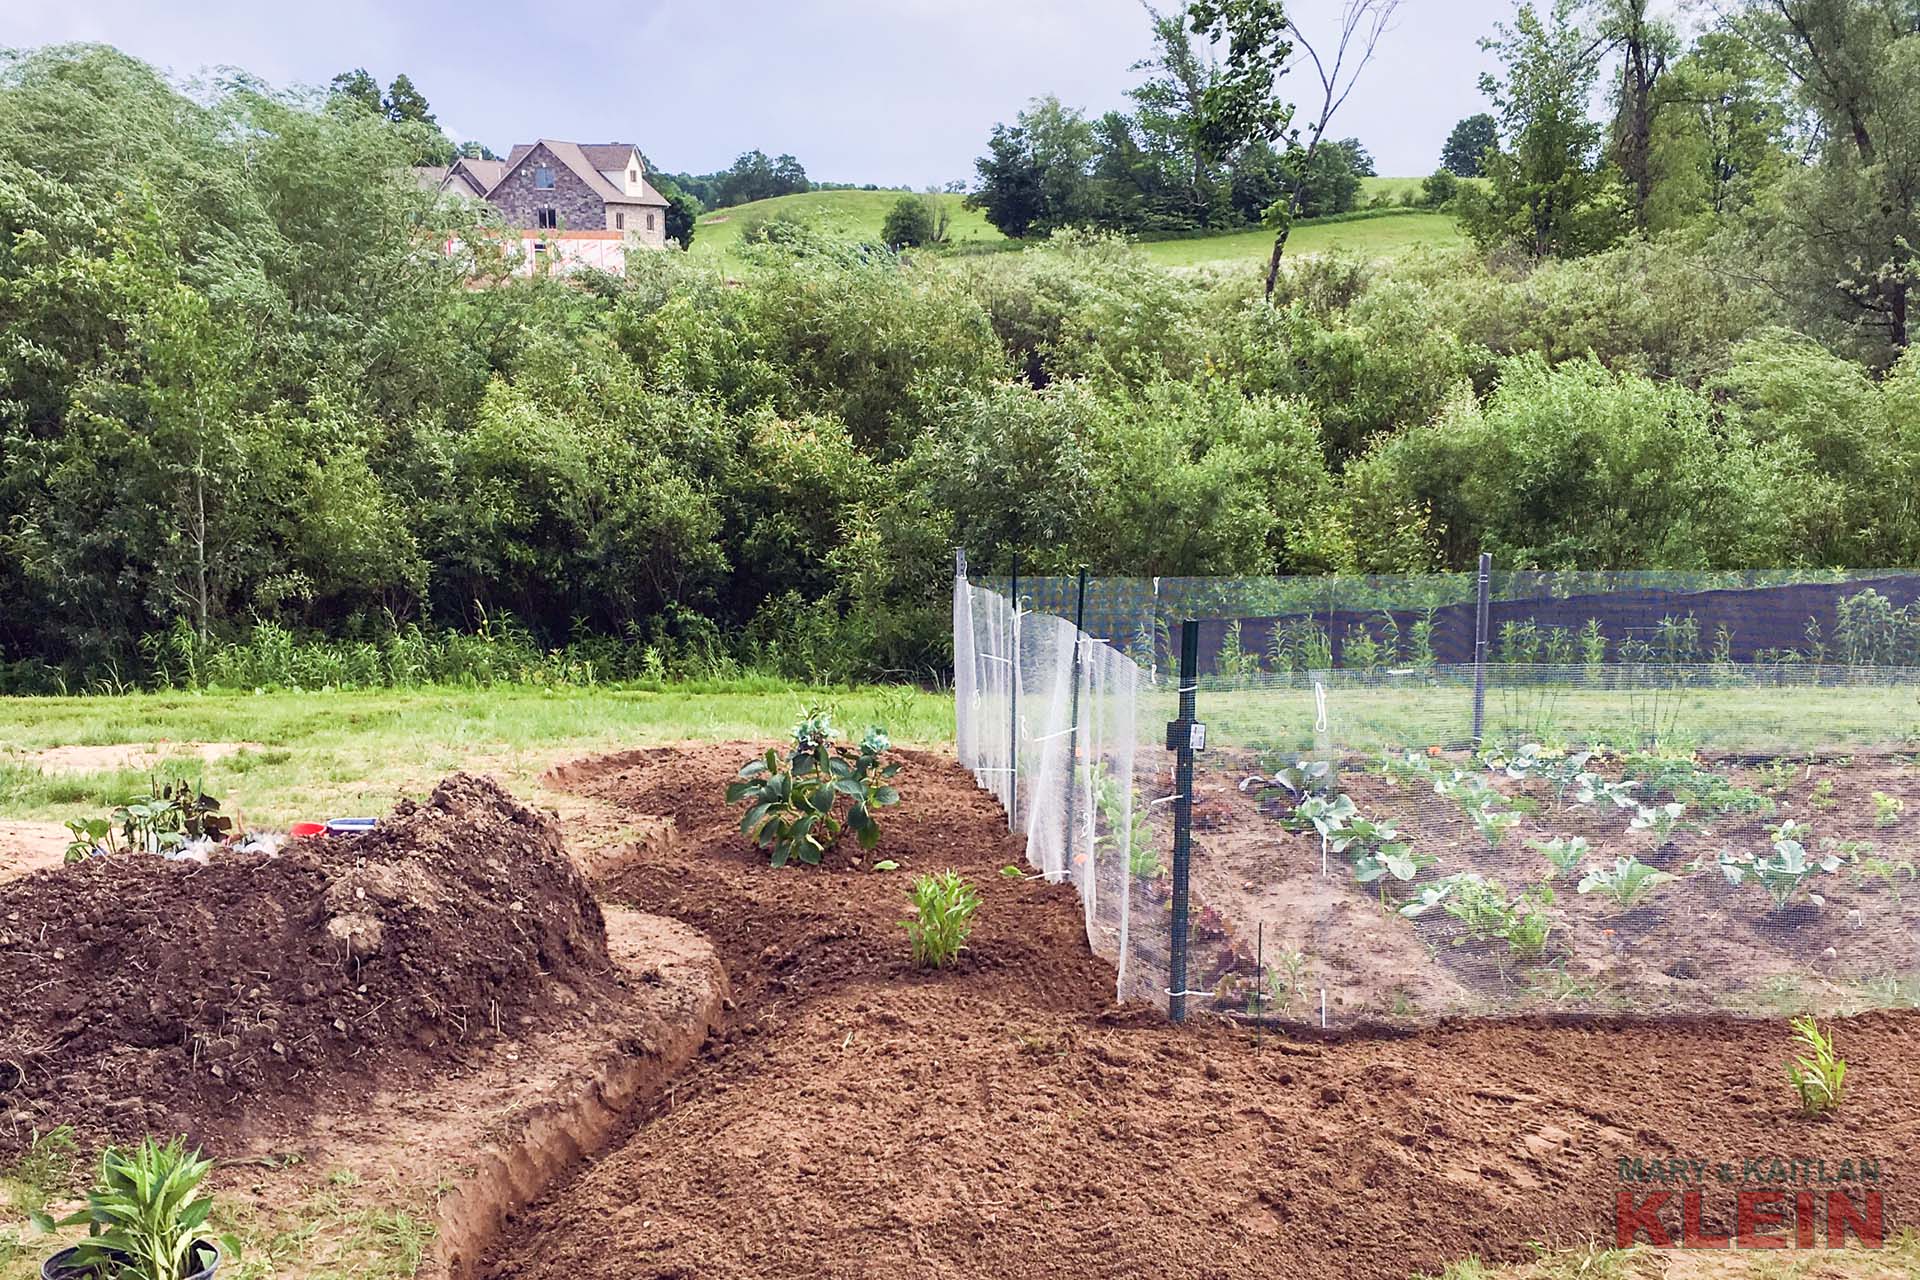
x=143, y=1220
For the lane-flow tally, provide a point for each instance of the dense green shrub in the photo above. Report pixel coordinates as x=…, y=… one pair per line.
x=259, y=428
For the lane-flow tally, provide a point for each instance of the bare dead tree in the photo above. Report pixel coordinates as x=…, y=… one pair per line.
x=1345, y=57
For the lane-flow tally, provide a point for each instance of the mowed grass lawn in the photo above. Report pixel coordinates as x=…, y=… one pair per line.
x=335, y=754
x=1368, y=237
x=842, y=215
x=859, y=216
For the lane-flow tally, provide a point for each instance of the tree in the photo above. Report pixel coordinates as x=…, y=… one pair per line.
x=683, y=213
x=789, y=177
x=1645, y=44
x=1329, y=185
x=472, y=150
x=1166, y=171
x=1850, y=232
x=1241, y=107
x=1359, y=159
x=1548, y=196
x=1036, y=175
x=910, y=223
x=405, y=104
x=358, y=88
x=1721, y=137
x=1439, y=189
x=1465, y=154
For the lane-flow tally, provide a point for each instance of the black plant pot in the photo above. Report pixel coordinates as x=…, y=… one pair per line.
x=61, y=1266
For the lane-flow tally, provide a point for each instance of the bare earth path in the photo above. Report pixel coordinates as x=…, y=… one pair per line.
x=857, y=1119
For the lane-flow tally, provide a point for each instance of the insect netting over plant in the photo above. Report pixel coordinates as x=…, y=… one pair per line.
x=1656, y=794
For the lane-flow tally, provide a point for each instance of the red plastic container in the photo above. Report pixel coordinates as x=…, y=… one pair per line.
x=306, y=830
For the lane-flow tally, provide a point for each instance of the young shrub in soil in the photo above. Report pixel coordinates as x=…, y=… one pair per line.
x=1818, y=1076
x=793, y=805
x=143, y=1220
x=943, y=907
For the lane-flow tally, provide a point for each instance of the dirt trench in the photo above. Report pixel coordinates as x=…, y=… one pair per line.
x=856, y=1118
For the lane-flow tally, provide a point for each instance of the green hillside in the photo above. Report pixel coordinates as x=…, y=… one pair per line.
x=1371, y=237
x=845, y=215
x=859, y=215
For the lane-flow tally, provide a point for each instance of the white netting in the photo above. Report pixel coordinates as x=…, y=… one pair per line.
x=1380, y=835
x=1047, y=722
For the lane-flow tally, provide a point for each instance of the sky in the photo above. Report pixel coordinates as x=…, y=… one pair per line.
x=893, y=92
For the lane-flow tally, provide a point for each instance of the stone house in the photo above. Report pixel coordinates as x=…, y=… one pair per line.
x=559, y=189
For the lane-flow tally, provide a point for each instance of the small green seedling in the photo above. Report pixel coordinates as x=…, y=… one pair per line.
x=1817, y=1076
x=1886, y=809
x=1564, y=852
x=1628, y=881
x=942, y=919
x=1659, y=818
x=1485, y=914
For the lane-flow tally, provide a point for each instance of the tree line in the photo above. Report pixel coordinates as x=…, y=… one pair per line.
x=246, y=392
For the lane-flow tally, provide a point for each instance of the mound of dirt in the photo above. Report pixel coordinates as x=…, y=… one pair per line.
x=229, y=999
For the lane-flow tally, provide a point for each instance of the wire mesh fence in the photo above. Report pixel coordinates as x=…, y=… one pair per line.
x=1685, y=817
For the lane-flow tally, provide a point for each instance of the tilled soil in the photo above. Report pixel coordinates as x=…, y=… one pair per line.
x=1004, y=1119
x=230, y=1000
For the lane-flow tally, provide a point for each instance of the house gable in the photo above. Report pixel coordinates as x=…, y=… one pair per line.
x=543, y=182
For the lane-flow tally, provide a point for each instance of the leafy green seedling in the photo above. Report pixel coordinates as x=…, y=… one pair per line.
x=1564, y=852
x=942, y=919
x=1628, y=881
x=1818, y=1076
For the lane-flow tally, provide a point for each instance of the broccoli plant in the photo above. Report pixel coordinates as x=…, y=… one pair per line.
x=1659, y=818
x=1374, y=848
x=1565, y=852
x=794, y=804
x=1783, y=872
x=1628, y=881
x=1591, y=789
x=1300, y=780
x=1482, y=803
x=1485, y=913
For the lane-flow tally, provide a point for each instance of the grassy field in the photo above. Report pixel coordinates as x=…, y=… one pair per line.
x=1371, y=237
x=324, y=755
x=843, y=215
x=859, y=216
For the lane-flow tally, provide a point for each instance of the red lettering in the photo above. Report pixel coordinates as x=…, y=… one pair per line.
x=1803, y=1220
x=1841, y=1217
x=1751, y=1219
x=1630, y=1220
x=1691, y=1235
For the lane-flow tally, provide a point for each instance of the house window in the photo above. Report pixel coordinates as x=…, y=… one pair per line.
x=633, y=176
x=649, y=222
x=546, y=216
x=619, y=222
x=543, y=178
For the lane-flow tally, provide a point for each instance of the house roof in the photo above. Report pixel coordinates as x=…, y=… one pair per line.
x=583, y=165
x=484, y=175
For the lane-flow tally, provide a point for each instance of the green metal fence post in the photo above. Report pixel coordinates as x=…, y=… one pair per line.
x=1185, y=736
